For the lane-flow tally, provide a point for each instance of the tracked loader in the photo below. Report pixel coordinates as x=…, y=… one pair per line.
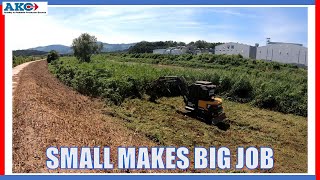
x=199, y=97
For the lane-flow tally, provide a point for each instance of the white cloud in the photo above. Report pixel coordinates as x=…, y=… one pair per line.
x=133, y=24
x=30, y=31
x=233, y=12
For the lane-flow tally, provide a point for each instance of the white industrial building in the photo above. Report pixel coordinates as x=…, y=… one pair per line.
x=159, y=51
x=184, y=50
x=291, y=53
x=231, y=48
x=172, y=50
x=283, y=52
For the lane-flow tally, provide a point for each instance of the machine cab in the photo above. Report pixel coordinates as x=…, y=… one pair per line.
x=202, y=90
x=202, y=95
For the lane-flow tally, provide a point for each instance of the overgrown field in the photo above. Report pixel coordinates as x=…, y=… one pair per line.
x=16, y=60
x=123, y=80
x=203, y=61
x=266, y=85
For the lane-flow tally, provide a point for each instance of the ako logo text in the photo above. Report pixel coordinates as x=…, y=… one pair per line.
x=24, y=7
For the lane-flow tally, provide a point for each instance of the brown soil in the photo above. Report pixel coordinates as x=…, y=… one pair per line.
x=47, y=113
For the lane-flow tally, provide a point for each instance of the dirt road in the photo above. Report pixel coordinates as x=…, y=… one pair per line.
x=47, y=113
x=16, y=70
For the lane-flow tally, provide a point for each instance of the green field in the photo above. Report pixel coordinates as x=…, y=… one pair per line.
x=265, y=103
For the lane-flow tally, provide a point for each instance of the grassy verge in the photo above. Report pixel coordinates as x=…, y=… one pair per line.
x=17, y=60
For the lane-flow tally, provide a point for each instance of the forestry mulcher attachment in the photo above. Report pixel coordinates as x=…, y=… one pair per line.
x=199, y=97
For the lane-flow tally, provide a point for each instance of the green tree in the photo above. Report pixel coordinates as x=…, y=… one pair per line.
x=85, y=46
x=204, y=44
x=53, y=55
x=200, y=44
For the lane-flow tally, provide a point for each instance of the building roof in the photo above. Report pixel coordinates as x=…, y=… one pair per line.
x=232, y=43
x=284, y=43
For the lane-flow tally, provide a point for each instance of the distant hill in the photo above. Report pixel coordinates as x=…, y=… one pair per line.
x=116, y=47
x=28, y=52
x=62, y=49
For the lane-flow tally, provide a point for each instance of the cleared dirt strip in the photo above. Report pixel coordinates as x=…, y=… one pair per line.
x=16, y=70
x=47, y=113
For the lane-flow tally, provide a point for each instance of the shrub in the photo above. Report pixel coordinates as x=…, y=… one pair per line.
x=239, y=56
x=225, y=85
x=53, y=55
x=276, y=67
x=242, y=90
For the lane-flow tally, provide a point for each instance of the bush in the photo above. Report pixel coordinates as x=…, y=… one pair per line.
x=242, y=90
x=225, y=85
x=282, y=98
x=53, y=55
x=267, y=97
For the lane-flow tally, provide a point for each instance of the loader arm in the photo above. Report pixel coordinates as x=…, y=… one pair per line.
x=182, y=84
x=169, y=85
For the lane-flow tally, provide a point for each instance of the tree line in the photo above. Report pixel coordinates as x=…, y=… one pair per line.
x=148, y=47
x=86, y=45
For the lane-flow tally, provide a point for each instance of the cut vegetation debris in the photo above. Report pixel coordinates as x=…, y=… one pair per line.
x=163, y=123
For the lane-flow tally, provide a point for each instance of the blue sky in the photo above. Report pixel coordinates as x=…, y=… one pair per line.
x=133, y=24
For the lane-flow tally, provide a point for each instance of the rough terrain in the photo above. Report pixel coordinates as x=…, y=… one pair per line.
x=15, y=74
x=47, y=113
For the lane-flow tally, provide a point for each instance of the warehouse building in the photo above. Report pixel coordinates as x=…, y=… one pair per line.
x=159, y=51
x=283, y=52
x=178, y=50
x=231, y=48
x=184, y=50
x=172, y=50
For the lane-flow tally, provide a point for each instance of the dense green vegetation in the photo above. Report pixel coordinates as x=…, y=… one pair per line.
x=272, y=86
x=28, y=52
x=16, y=60
x=202, y=61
